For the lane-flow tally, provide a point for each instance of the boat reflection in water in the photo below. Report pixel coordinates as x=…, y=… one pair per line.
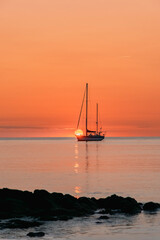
x=82, y=164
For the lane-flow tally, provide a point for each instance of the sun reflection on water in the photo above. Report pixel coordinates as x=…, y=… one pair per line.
x=77, y=188
x=77, y=191
x=76, y=166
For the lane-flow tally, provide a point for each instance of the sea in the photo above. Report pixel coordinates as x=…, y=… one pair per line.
x=122, y=166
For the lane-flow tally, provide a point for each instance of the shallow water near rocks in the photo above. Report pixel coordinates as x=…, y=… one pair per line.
x=125, y=166
x=142, y=226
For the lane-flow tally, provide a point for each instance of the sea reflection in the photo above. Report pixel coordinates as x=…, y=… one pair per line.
x=76, y=166
x=77, y=189
x=97, y=155
x=127, y=167
x=91, y=148
x=86, y=157
x=76, y=158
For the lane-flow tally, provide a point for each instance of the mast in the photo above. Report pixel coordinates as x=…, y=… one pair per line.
x=81, y=109
x=86, y=106
x=97, y=118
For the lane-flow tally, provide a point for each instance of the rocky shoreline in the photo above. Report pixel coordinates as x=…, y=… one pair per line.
x=43, y=206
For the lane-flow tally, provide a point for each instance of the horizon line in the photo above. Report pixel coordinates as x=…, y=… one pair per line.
x=23, y=138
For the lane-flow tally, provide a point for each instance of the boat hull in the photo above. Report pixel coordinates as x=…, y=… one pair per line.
x=90, y=138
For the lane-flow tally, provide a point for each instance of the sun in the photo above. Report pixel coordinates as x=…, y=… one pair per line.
x=78, y=132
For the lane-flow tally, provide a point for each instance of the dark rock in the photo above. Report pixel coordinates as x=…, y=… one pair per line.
x=66, y=212
x=35, y=234
x=14, y=203
x=60, y=199
x=151, y=206
x=42, y=200
x=48, y=218
x=47, y=206
x=64, y=218
x=125, y=205
x=41, y=193
x=87, y=203
x=17, y=223
x=44, y=205
x=103, y=217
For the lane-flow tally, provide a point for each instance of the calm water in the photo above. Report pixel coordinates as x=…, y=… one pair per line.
x=125, y=166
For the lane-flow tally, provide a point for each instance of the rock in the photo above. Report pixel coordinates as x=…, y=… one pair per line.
x=63, y=201
x=125, y=205
x=14, y=203
x=17, y=223
x=87, y=203
x=103, y=217
x=64, y=218
x=44, y=205
x=35, y=234
x=42, y=200
x=47, y=206
x=48, y=218
x=151, y=206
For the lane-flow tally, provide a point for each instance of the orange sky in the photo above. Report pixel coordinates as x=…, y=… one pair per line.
x=49, y=49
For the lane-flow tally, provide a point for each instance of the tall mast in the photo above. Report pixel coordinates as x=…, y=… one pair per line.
x=86, y=106
x=97, y=119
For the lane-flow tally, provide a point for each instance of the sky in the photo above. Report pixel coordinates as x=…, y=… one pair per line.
x=49, y=49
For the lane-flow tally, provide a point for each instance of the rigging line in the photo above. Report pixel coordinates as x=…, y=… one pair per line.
x=81, y=109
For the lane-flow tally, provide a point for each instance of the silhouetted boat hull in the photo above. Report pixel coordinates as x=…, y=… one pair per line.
x=90, y=138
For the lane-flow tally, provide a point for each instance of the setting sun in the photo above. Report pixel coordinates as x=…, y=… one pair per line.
x=78, y=132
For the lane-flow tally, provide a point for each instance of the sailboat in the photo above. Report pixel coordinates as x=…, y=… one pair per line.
x=89, y=135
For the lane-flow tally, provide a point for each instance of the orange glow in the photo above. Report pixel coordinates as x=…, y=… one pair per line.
x=77, y=191
x=50, y=49
x=79, y=132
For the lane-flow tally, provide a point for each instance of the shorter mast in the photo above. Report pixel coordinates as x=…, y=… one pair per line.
x=97, y=118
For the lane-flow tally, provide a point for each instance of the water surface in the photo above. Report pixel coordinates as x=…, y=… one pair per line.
x=125, y=166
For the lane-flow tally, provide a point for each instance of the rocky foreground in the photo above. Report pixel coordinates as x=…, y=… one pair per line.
x=44, y=206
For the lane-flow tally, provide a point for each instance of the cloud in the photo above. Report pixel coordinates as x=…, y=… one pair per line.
x=21, y=127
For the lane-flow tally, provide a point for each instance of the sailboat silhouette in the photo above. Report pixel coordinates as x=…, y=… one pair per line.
x=90, y=135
